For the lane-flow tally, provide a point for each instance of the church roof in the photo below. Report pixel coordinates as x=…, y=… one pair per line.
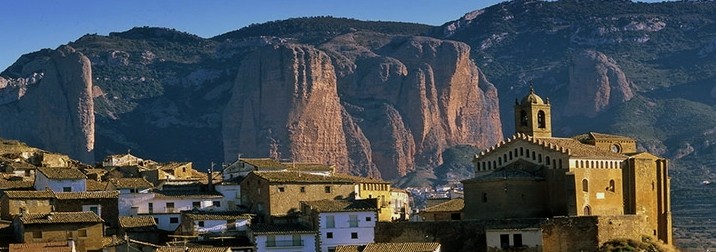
x=571, y=146
x=594, y=136
x=532, y=98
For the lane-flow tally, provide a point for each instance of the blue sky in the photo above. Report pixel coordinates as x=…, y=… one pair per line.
x=30, y=25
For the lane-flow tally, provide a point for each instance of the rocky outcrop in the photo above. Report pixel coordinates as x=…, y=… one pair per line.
x=50, y=106
x=285, y=105
x=595, y=83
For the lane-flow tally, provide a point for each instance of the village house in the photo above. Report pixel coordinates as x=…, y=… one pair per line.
x=122, y=160
x=232, y=194
x=367, y=188
x=283, y=237
x=60, y=179
x=447, y=211
x=166, y=206
x=206, y=224
x=84, y=228
x=341, y=222
x=275, y=196
x=400, y=200
x=243, y=166
x=14, y=203
x=140, y=228
x=102, y=203
x=17, y=168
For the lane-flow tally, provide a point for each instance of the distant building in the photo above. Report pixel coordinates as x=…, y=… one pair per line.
x=102, y=203
x=60, y=180
x=341, y=222
x=14, y=203
x=447, y=211
x=122, y=160
x=400, y=200
x=166, y=206
x=84, y=228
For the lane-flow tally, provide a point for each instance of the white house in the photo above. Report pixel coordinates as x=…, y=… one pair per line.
x=60, y=179
x=166, y=206
x=400, y=202
x=133, y=192
x=122, y=160
x=232, y=194
x=503, y=239
x=214, y=223
x=283, y=237
x=341, y=222
x=243, y=166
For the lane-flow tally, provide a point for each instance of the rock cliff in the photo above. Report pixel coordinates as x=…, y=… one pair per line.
x=595, y=83
x=49, y=104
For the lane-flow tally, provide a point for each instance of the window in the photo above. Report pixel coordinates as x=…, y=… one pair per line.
x=541, y=119
x=354, y=235
x=37, y=234
x=201, y=223
x=270, y=241
x=504, y=241
x=150, y=207
x=353, y=220
x=82, y=233
x=585, y=185
x=368, y=219
x=484, y=197
x=66, y=189
x=523, y=118
x=517, y=240
x=196, y=204
x=281, y=189
x=611, y=185
x=174, y=220
x=329, y=235
x=327, y=189
x=297, y=240
x=455, y=216
x=330, y=221
x=303, y=189
x=587, y=210
x=216, y=203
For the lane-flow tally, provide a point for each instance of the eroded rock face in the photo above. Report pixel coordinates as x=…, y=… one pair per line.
x=54, y=108
x=285, y=105
x=595, y=83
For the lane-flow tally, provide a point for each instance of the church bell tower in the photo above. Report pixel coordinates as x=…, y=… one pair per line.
x=533, y=116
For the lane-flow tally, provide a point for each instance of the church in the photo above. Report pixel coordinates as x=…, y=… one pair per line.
x=534, y=175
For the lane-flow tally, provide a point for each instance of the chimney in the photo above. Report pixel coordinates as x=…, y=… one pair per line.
x=71, y=244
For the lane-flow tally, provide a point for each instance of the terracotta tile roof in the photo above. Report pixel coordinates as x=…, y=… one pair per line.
x=296, y=177
x=402, y=247
x=193, y=249
x=62, y=173
x=12, y=184
x=87, y=195
x=219, y=215
x=269, y=229
x=173, y=165
x=308, y=167
x=579, y=149
x=43, y=246
x=186, y=195
x=594, y=136
x=136, y=222
x=60, y=217
x=358, y=179
x=131, y=183
x=264, y=163
x=94, y=185
x=95, y=171
x=348, y=248
x=453, y=205
x=30, y=194
x=326, y=206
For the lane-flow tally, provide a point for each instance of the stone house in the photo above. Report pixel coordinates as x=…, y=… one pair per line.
x=102, y=203
x=447, y=211
x=535, y=175
x=122, y=160
x=283, y=237
x=84, y=228
x=341, y=222
x=60, y=179
x=243, y=166
x=141, y=228
x=14, y=203
x=400, y=202
x=367, y=188
x=275, y=196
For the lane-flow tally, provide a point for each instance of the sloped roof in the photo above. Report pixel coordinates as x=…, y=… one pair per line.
x=594, y=136
x=453, y=205
x=293, y=228
x=579, y=149
x=326, y=206
x=297, y=177
x=60, y=217
x=94, y=185
x=348, y=248
x=308, y=167
x=264, y=163
x=181, y=194
x=62, y=173
x=358, y=179
x=42, y=246
x=402, y=247
x=87, y=195
x=47, y=194
x=12, y=184
x=173, y=165
x=131, y=183
x=136, y=222
x=219, y=215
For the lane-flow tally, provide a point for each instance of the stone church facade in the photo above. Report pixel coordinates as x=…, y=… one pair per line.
x=535, y=175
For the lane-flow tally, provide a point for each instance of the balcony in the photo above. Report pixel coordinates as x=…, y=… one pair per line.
x=284, y=243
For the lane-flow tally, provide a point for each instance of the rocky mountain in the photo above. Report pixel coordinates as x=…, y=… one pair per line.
x=377, y=102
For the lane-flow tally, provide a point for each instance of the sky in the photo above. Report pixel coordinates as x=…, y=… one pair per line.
x=30, y=25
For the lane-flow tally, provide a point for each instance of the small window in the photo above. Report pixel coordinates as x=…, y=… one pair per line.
x=329, y=235
x=455, y=216
x=541, y=119
x=196, y=204
x=82, y=233
x=303, y=189
x=354, y=235
x=368, y=218
x=585, y=185
x=37, y=234
x=327, y=189
x=201, y=223
x=66, y=189
x=216, y=203
x=611, y=185
x=504, y=241
x=174, y=220
x=484, y=197
x=170, y=204
x=517, y=240
x=281, y=189
x=330, y=221
x=150, y=207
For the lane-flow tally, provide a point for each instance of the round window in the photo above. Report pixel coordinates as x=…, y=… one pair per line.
x=616, y=148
